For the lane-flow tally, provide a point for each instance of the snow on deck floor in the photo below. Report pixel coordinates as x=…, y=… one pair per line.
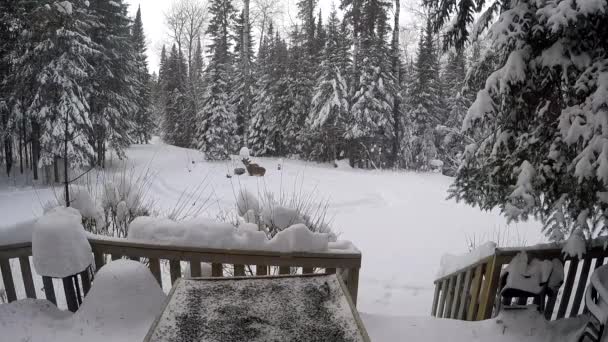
x=512, y=326
x=401, y=221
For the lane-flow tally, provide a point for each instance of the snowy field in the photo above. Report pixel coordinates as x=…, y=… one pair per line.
x=401, y=221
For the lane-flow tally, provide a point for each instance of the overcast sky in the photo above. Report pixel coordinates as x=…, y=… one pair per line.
x=156, y=33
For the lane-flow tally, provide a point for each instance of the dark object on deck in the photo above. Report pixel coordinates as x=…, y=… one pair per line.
x=280, y=308
x=228, y=175
x=596, y=304
x=239, y=171
x=548, y=290
x=254, y=169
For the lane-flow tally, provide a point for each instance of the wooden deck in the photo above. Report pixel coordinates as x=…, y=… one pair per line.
x=308, y=307
x=224, y=263
x=470, y=293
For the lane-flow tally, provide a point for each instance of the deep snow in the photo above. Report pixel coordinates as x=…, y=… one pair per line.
x=122, y=303
x=401, y=221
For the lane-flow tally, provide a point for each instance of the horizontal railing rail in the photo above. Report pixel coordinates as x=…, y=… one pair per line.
x=470, y=293
x=169, y=262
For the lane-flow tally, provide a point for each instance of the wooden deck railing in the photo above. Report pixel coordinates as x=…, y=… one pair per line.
x=470, y=293
x=15, y=265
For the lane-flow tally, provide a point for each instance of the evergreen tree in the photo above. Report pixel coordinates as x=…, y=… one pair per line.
x=244, y=77
x=13, y=21
x=265, y=131
x=294, y=102
x=329, y=109
x=449, y=140
x=173, y=75
x=542, y=113
x=143, y=122
x=56, y=70
x=114, y=100
x=426, y=110
x=217, y=131
x=372, y=103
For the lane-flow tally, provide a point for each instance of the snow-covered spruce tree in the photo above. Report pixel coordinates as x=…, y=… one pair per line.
x=543, y=111
x=426, y=110
x=160, y=97
x=329, y=107
x=143, y=121
x=301, y=61
x=371, y=130
x=58, y=68
x=114, y=100
x=243, y=77
x=216, y=133
x=12, y=23
x=265, y=136
x=294, y=104
x=173, y=77
x=449, y=140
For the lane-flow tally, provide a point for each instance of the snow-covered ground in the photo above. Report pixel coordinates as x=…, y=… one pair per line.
x=401, y=221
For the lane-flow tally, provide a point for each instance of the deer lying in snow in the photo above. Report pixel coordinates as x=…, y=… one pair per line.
x=254, y=169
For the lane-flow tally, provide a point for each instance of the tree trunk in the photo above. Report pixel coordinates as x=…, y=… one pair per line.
x=262, y=31
x=35, y=148
x=397, y=74
x=66, y=182
x=20, y=150
x=8, y=154
x=246, y=67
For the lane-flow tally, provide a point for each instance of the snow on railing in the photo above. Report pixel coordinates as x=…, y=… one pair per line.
x=469, y=291
x=170, y=262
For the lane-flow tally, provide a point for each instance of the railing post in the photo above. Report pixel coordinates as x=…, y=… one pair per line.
x=436, y=299
x=488, y=293
x=477, y=279
x=352, y=283
x=70, y=293
x=49, y=289
x=26, y=275
x=7, y=278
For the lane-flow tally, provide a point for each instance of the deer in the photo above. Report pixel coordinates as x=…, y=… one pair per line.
x=254, y=169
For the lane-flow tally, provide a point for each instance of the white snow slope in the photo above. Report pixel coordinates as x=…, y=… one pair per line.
x=401, y=221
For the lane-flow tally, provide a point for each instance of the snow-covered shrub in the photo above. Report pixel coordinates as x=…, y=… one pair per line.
x=109, y=200
x=273, y=212
x=124, y=196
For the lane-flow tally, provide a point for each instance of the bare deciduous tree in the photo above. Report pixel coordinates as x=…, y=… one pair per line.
x=262, y=12
x=186, y=20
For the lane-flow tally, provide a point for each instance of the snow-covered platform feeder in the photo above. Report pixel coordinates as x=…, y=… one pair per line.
x=274, y=308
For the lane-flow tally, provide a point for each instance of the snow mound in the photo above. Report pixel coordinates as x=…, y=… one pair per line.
x=451, y=263
x=17, y=233
x=342, y=164
x=298, y=238
x=244, y=153
x=205, y=233
x=246, y=201
x=123, y=291
x=59, y=244
x=526, y=325
x=123, y=301
x=81, y=200
x=280, y=217
x=528, y=276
